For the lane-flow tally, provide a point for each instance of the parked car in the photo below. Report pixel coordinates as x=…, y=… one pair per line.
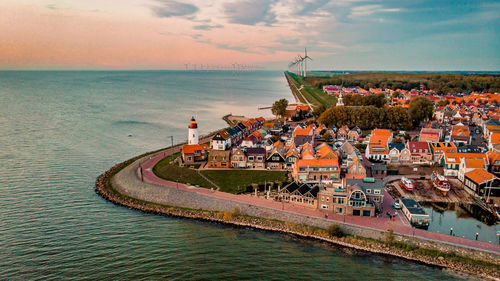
x=396, y=205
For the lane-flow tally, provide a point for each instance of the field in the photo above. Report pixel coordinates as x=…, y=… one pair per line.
x=231, y=181
x=237, y=181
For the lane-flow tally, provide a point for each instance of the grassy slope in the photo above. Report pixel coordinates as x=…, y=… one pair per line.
x=236, y=181
x=312, y=94
x=173, y=172
x=232, y=181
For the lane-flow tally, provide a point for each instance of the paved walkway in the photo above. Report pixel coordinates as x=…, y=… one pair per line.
x=382, y=222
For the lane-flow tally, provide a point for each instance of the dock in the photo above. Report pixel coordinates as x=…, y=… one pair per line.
x=423, y=191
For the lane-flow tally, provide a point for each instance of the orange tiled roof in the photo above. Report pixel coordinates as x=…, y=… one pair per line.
x=302, y=131
x=479, y=176
x=325, y=151
x=474, y=163
x=495, y=138
x=492, y=157
x=307, y=154
x=317, y=162
x=382, y=132
x=191, y=148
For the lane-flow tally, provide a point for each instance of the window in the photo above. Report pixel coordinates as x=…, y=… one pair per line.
x=188, y=158
x=368, y=191
x=327, y=199
x=259, y=158
x=250, y=158
x=376, y=191
x=339, y=210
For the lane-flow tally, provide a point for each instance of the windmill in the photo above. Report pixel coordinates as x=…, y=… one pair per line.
x=305, y=61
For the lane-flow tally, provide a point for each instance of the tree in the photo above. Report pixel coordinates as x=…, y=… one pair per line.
x=421, y=109
x=318, y=110
x=279, y=107
x=326, y=136
x=395, y=94
x=444, y=102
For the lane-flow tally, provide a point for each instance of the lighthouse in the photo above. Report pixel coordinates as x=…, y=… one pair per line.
x=193, y=132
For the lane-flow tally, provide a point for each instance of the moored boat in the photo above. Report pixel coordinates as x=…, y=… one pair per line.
x=441, y=183
x=406, y=183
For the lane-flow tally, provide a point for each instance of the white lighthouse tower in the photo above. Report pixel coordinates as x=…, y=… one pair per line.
x=193, y=132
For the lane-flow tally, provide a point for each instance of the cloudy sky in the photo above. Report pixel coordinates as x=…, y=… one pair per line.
x=167, y=34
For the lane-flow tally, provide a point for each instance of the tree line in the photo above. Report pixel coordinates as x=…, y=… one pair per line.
x=442, y=83
x=369, y=117
x=377, y=100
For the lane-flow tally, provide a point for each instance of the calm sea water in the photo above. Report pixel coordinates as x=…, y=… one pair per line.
x=60, y=130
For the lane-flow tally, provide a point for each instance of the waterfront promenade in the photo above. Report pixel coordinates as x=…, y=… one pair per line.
x=400, y=225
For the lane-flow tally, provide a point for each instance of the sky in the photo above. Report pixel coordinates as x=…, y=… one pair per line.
x=267, y=34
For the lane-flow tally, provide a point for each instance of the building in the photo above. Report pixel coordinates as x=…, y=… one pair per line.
x=420, y=152
x=414, y=212
x=470, y=164
x=238, y=158
x=192, y=153
x=460, y=134
x=439, y=148
x=301, y=194
x=378, y=145
x=482, y=183
x=365, y=196
x=451, y=162
x=325, y=171
x=219, y=159
x=193, y=132
x=430, y=135
x=333, y=199
x=221, y=141
x=256, y=157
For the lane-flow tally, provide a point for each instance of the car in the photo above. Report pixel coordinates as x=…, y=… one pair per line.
x=396, y=205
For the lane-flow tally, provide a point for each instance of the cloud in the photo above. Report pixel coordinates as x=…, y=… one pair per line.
x=207, y=26
x=172, y=8
x=250, y=12
x=367, y=10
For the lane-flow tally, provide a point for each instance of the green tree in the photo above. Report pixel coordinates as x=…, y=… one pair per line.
x=279, y=107
x=318, y=110
x=396, y=94
x=421, y=109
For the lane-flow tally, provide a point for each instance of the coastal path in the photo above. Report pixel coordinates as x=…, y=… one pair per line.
x=381, y=223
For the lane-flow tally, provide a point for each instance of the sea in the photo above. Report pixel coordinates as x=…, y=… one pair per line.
x=59, y=130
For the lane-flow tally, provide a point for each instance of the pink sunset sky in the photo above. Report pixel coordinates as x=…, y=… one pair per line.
x=167, y=34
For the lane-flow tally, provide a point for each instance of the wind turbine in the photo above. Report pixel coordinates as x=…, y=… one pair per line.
x=305, y=61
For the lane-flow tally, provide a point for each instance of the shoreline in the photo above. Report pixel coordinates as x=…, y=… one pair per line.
x=105, y=188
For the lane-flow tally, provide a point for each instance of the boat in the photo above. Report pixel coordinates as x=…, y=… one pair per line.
x=441, y=183
x=406, y=183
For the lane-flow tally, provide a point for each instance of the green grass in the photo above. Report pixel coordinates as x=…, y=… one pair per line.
x=312, y=94
x=231, y=181
x=237, y=181
x=165, y=170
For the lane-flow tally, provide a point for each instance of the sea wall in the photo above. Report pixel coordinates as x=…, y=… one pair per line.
x=128, y=183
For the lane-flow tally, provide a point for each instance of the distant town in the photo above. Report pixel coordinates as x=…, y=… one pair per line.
x=451, y=155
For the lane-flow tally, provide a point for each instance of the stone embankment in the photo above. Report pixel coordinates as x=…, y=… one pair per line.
x=116, y=189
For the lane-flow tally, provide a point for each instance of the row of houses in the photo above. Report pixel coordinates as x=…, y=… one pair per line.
x=356, y=197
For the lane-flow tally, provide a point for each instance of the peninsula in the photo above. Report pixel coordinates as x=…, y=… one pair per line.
x=344, y=164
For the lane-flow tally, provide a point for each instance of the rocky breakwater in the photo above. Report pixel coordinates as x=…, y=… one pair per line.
x=485, y=266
